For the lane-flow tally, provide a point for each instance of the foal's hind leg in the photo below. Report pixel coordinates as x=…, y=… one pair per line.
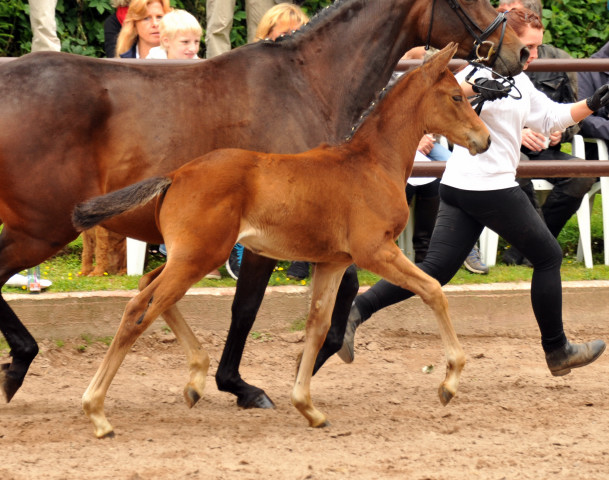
x=390, y=263
x=140, y=312
x=198, y=358
x=326, y=280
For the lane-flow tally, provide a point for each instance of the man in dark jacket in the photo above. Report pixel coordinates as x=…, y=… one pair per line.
x=597, y=124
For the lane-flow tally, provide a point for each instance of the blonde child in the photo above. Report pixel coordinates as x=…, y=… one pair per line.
x=180, y=37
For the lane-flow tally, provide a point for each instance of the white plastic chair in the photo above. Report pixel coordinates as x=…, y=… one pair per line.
x=584, y=248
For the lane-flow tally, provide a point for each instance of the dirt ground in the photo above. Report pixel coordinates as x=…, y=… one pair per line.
x=510, y=420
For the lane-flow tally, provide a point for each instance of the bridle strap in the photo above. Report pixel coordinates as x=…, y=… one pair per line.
x=479, y=38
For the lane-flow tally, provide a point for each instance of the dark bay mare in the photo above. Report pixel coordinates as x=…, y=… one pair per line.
x=73, y=127
x=347, y=200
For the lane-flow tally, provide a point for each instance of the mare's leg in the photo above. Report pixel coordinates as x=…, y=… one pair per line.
x=164, y=291
x=23, y=350
x=344, y=298
x=326, y=280
x=18, y=251
x=198, y=358
x=254, y=276
x=390, y=263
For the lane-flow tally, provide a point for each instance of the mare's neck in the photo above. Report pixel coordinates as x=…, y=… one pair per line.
x=355, y=45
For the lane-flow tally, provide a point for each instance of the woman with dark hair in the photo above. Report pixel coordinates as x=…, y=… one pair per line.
x=481, y=190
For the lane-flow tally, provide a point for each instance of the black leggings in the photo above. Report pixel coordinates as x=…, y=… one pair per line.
x=461, y=217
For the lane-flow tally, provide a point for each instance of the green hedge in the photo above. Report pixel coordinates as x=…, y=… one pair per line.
x=580, y=27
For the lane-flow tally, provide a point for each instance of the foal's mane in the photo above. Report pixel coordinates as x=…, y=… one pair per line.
x=376, y=103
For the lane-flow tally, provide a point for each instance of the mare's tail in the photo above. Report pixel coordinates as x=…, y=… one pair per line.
x=98, y=209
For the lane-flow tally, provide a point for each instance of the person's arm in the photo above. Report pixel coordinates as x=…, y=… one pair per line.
x=596, y=125
x=584, y=108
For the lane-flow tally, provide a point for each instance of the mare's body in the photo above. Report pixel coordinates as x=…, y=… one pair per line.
x=73, y=127
x=347, y=201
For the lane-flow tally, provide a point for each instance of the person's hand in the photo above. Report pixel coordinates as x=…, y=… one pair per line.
x=536, y=142
x=599, y=99
x=555, y=137
x=426, y=144
x=490, y=89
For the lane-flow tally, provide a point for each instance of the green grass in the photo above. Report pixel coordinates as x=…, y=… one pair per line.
x=64, y=269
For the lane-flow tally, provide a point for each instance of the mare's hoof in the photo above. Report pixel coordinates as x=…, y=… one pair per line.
x=259, y=401
x=191, y=396
x=9, y=384
x=445, y=395
x=324, y=424
x=107, y=435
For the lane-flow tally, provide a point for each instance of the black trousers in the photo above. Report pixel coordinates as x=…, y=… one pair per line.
x=461, y=217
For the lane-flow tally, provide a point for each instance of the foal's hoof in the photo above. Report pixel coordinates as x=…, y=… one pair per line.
x=107, y=435
x=191, y=396
x=445, y=395
x=259, y=401
x=323, y=424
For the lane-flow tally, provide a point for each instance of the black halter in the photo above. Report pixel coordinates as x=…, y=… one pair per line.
x=480, y=38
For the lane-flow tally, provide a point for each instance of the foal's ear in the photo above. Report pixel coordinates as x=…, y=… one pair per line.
x=439, y=62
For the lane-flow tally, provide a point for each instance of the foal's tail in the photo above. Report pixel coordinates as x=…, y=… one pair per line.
x=98, y=209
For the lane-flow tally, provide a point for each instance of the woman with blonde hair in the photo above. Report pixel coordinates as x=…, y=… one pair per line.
x=140, y=30
x=281, y=19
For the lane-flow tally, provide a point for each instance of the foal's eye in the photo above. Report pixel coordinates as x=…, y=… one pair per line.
x=457, y=98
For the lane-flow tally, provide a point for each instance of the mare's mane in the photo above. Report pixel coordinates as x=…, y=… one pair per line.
x=376, y=102
x=322, y=17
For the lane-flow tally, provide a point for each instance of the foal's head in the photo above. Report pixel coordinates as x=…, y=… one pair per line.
x=444, y=108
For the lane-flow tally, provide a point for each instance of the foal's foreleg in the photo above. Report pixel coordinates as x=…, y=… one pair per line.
x=198, y=358
x=390, y=263
x=326, y=280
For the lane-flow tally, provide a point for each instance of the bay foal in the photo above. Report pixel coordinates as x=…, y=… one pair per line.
x=82, y=127
x=330, y=205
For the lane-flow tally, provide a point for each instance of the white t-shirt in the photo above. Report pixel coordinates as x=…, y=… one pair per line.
x=157, y=53
x=496, y=168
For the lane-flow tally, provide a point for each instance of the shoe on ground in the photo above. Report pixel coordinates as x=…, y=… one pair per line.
x=474, y=263
x=347, y=351
x=19, y=280
x=298, y=270
x=214, y=275
x=573, y=355
x=233, y=264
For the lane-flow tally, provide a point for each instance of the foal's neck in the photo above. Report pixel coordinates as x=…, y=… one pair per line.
x=390, y=134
